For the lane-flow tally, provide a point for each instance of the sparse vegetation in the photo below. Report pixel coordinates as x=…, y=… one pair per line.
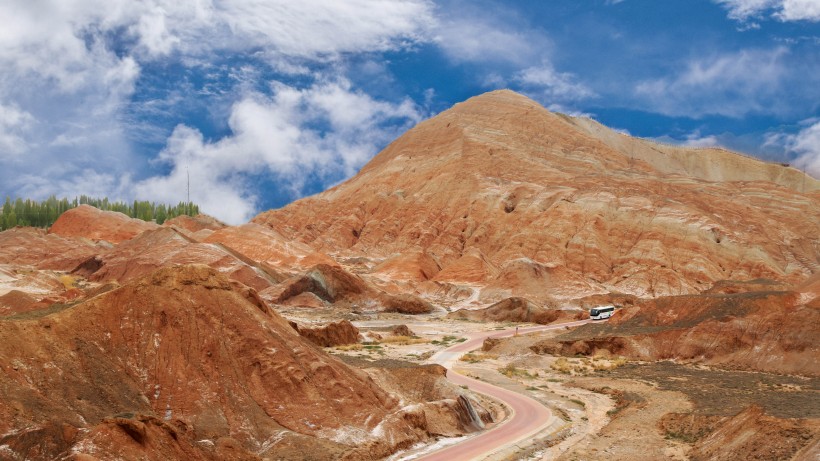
x=512, y=371
x=403, y=340
x=605, y=364
x=580, y=403
x=448, y=340
x=562, y=365
x=585, y=365
x=350, y=347
x=68, y=281
x=475, y=357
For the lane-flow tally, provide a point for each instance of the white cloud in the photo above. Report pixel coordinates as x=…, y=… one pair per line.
x=553, y=85
x=327, y=130
x=479, y=39
x=695, y=139
x=800, y=10
x=784, y=10
x=743, y=10
x=805, y=143
x=70, y=69
x=731, y=84
x=14, y=123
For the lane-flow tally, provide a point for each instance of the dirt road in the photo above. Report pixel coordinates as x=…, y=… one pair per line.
x=528, y=416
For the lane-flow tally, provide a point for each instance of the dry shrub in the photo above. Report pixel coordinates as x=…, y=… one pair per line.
x=68, y=281
x=512, y=371
x=562, y=365
x=475, y=357
x=599, y=364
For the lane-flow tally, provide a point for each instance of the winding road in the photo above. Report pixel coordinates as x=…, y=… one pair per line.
x=528, y=416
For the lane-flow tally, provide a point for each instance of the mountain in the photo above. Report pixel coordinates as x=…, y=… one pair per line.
x=499, y=184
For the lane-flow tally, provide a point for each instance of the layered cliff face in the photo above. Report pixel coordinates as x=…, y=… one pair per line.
x=499, y=179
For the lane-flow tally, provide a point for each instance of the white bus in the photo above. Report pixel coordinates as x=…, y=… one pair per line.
x=603, y=312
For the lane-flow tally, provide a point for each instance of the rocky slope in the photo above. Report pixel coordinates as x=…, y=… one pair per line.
x=33, y=265
x=165, y=247
x=499, y=179
x=751, y=434
x=186, y=364
x=267, y=246
x=196, y=223
x=774, y=331
x=27, y=246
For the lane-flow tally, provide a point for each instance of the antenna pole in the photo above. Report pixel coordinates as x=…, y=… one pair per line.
x=189, y=183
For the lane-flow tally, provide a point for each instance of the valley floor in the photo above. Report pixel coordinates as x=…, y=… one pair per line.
x=607, y=408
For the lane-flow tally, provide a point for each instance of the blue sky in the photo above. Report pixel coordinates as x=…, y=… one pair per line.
x=261, y=102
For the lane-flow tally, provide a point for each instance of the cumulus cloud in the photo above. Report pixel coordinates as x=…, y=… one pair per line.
x=805, y=144
x=553, y=85
x=783, y=10
x=480, y=39
x=14, y=123
x=701, y=141
x=743, y=10
x=800, y=10
x=327, y=130
x=71, y=68
x=731, y=84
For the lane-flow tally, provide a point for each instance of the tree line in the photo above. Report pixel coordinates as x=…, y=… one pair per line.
x=32, y=213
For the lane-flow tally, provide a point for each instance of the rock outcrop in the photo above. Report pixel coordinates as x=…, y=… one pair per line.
x=332, y=334
x=402, y=330
x=414, y=265
x=515, y=310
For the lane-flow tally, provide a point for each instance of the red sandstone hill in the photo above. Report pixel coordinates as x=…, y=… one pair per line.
x=91, y=223
x=499, y=179
x=27, y=246
x=186, y=364
x=165, y=247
